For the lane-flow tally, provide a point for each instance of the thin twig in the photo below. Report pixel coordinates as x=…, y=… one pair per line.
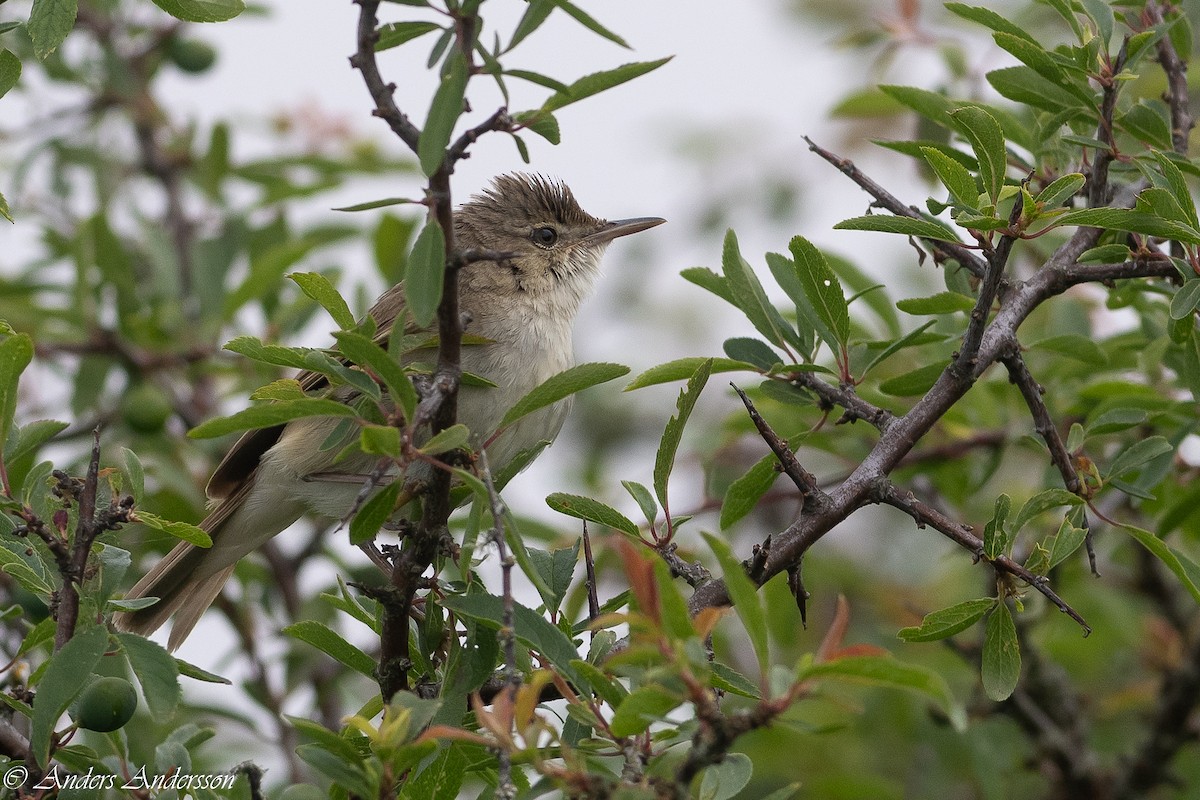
x=1031, y=391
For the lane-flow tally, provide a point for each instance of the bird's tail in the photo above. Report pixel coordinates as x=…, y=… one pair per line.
x=188, y=579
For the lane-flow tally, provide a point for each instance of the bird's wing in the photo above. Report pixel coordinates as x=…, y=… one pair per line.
x=239, y=463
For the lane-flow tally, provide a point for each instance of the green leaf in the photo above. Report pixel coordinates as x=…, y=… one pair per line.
x=586, y=21
x=318, y=287
x=643, y=706
x=753, y=351
x=49, y=23
x=580, y=507
x=365, y=352
x=705, y=278
x=563, y=385
x=543, y=123
x=202, y=10
x=913, y=383
x=908, y=226
x=29, y=437
x=379, y=440
x=987, y=141
x=15, y=354
x=748, y=293
x=444, y=112
x=664, y=460
x=180, y=530
x=557, y=569
x=1041, y=502
x=269, y=415
x=989, y=19
x=374, y=513
x=1184, y=569
x=822, y=288
x=332, y=644
x=996, y=539
x=397, y=33
x=250, y=347
x=1065, y=542
x=64, y=678
x=745, y=492
x=535, y=14
x=609, y=689
x=746, y=600
x=644, y=498
x=949, y=621
x=1177, y=185
x=530, y=628
x=954, y=176
x=1001, y=666
x=931, y=105
x=1146, y=124
x=443, y=441
x=1076, y=346
x=10, y=71
x=1137, y=454
x=4, y=209
x=1024, y=85
x=1105, y=254
x=910, y=339
x=682, y=368
x=890, y=672
x=599, y=82
x=1123, y=219
x=1185, y=299
x=351, y=776
x=370, y=205
x=727, y=778
x=423, y=281
x=157, y=673
x=940, y=303
x=1060, y=190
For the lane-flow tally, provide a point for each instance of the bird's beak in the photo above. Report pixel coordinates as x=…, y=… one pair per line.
x=622, y=227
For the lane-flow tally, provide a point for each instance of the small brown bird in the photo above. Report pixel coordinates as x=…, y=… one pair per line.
x=523, y=306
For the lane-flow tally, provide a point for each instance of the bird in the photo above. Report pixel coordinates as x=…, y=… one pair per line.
x=521, y=310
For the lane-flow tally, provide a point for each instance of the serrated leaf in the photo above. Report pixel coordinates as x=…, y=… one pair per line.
x=63, y=680
x=1001, y=665
x=530, y=628
x=156, y=672
x=1060, y=190
x=580, y=507
x=269, y=415
x=989, y=19
x=910, y=339
x=747, y=292
x=563, y=385
x=1024, y=85
x=682, y=368
x=444, y=111
x=318, y=287
x=580, y=16
x=891, y=672
x=365, y=352
x=1178, y=186
x=1065, y=542
x=822, y=288
x=664, y=460
x=451, y=438
x=744, y=493
x=1185, y=299
x=746, y=601
x=10, y=71
x=1127, y=220
x=397, y=33
x=180, y=530
x=913, y=383
x=1187, y=572
x=202, y=10
x=1041, y=502
x=987, y=141
x=375, y=512
x=49, y=23
x=641, y=707
x=644, y=499
x=15, y=354
x=423, y=280
x=940, y=303
x=948, y=621
x=954, y=176
x=1105, y=254
x=908, y=226
x=1074, y=345
x=1137, y=454
x=600, y=81
x=333, y=645
x=996, y=538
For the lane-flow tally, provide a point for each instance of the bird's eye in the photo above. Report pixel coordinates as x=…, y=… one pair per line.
x=545, y=236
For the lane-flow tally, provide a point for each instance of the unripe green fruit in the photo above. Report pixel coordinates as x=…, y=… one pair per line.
x=191, y=55
x=146, y=408
x=107, y=705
